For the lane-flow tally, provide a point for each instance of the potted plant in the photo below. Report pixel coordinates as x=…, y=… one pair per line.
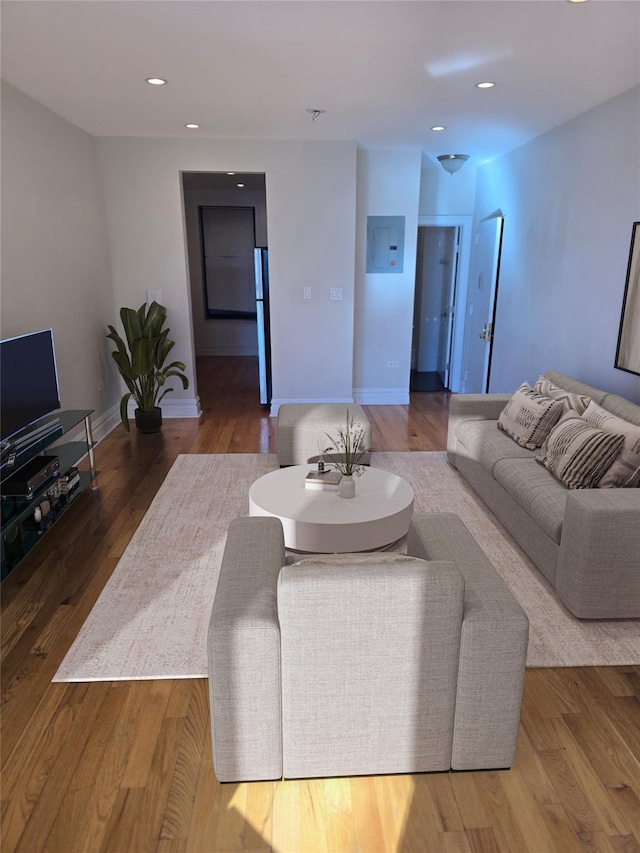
x=345, y=452
x=142, y=364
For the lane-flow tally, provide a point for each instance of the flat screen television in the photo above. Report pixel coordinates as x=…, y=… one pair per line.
x=28, y=381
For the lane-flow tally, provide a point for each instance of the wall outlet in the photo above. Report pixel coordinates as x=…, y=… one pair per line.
x=392, y=364
x=335, y=293
x=306, y=293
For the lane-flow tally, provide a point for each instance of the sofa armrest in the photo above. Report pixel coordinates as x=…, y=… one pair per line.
x=244, y=654
x=472, y=407
x=598, y=572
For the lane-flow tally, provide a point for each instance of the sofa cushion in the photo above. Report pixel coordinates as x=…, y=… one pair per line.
x=528, y=416
x=622, y=408
x=579, y=454
x=486, y=444
x=571, y=401
x=539, y=494
x=625, y=471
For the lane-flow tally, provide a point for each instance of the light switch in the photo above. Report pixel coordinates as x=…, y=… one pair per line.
x=306, y=293
x=154, y=294
x=335, y=293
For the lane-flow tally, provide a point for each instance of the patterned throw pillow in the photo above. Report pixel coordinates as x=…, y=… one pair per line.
x=528, y=416
x=572, y=402
x=625, y=471
x=578, y=454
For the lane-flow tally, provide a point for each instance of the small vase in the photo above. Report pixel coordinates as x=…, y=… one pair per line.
x=347, y=486
x=149, y=421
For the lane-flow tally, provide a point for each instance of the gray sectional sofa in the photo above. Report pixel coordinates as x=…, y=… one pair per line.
x=586, y=542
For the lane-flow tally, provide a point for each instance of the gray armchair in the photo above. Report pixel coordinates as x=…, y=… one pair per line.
x=368, y=664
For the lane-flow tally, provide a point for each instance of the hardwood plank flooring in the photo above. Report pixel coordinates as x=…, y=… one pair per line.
x=126, y=766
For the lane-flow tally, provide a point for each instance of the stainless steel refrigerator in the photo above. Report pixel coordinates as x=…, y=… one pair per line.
x=261, y=264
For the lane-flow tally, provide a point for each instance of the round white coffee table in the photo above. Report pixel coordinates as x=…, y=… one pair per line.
x=322, y=522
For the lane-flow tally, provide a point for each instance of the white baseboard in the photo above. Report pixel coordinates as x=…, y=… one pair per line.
x=275, y=404
x=100, y=427
x=175, y=408
x=381, y=396
x=103, y=425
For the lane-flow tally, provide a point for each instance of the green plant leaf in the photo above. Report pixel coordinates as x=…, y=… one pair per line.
x=124, y=365
x=181, y=377
x=166, y=391
x=143, y=352
x=154, y=320
x=124, y=417
x=131, y=324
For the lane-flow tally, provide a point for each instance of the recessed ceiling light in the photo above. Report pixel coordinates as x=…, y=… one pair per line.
x=239, y=185
x=438, y=127
x=155, y=81
x=576, y=1
x=230, y=173
x=192, y=126
x=485, y=85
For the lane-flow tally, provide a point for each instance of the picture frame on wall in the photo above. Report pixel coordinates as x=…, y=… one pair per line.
x=628, y=350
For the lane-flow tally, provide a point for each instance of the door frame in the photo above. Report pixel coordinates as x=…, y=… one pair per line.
x=465, y=224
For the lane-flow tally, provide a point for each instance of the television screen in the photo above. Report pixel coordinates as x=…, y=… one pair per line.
x=28, y=381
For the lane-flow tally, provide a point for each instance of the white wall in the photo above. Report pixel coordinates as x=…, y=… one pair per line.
x=55, y=270
x=219, y=337
x=388, y=185
x=311, y=199
x=569, y=199
x=442, y=194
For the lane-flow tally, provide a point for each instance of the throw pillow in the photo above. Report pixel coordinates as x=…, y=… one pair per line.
x=625, y=471
x=528, y=416
x=578, y=454
x=572, y=402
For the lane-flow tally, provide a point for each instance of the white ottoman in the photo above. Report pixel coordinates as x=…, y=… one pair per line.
x=302, y=429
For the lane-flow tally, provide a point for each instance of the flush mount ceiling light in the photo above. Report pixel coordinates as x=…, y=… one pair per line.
x=155, y=81
x=453, y=162
x=192, y=126
x=487, y=84
x=438, y=127
x=239, y=185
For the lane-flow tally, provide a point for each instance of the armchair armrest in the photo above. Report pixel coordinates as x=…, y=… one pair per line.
x=598, y=573
x=493, y=648
x=244, y=654
x=476, y=407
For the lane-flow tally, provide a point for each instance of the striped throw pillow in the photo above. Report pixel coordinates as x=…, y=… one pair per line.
x=528, y=416
x=577, y=453
x=625, y=471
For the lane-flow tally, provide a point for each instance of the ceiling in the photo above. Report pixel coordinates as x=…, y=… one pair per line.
x=385, y=71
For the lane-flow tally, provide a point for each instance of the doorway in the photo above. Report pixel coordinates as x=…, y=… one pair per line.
x=227, y=211
x=437, y=272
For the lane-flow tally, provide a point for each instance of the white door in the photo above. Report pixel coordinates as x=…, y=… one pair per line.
x=481, y=303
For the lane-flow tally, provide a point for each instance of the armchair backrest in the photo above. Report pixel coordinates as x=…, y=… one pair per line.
x=369, y=664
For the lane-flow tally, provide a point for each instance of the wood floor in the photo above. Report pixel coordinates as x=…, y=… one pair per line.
x=126, y=766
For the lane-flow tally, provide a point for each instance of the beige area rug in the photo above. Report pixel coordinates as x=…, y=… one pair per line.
x=152, y=616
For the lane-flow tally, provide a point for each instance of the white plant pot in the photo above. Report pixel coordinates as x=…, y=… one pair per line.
x=347, y=487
